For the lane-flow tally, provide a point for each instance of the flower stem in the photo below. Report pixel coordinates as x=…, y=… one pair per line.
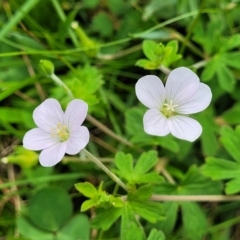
x=58, y=81
x=105, y=169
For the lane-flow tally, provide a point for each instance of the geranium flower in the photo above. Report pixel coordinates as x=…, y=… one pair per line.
x=169, y=107
x=58, y=132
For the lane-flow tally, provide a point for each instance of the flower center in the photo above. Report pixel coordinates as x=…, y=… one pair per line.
x=168, y=109
x=61, y=132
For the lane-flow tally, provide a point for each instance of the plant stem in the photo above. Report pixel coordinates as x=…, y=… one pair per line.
x=57, y=80
x=195, y=198
x=105, y=169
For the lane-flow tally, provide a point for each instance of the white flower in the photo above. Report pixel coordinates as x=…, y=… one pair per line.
x=169, y=106
x=58, y=132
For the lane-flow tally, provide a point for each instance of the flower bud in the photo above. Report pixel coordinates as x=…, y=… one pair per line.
x=46, y=67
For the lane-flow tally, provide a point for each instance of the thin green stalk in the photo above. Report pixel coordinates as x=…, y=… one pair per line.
x=17, y=17
x=160, y=25
x=224, y=225
x=63, y=18
x=191, y=28
x=106, y=170
x=57, y=80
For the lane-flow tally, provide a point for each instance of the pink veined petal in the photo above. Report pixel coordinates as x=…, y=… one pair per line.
x=181, y=84
x=79, y=138
x=184, y=128
x=75, y=113
x=52, y=155
x=198, y=102
x=150, y=91
x=36, y=139
x=48, y=114
x=155, y=123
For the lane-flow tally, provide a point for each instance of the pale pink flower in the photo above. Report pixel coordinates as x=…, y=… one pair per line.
x=58, y=132
x=170, y=106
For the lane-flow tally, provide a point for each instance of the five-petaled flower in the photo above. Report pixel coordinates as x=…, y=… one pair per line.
x=58, y=132
x=169, y=107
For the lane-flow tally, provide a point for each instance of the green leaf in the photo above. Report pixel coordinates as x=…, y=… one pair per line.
x=141, y=194
x=232, y=115
x=209, y=70
x=87, y=189
x=146, y=64
x=50, y=208
x=88, y=204
x=145, y=163
x=77, y=228
x=103, y=24
x=156, y=235
x=231, y=59
x=232, y=42
x=171, y=211
x=26, y=229
x=218, y=168
x=148, y=49
x=130, y=228
x=225, y=78
x=209, y=140
x=194, y=221
x=106, y=217
x=152, y=177
x=151, y=211
x=124, y=162
x=233, y=186
x=195, y=183
x=231, y=141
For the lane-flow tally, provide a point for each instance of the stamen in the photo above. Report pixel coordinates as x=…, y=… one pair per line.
x=168, y=108
x=60, y=132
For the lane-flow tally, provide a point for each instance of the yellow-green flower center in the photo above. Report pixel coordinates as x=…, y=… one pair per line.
x=168, y=109
x=60, y=132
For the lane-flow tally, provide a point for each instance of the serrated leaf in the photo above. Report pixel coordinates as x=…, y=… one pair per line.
x=171, y=211
x=231, y=142
x=146, y=161
x=124, y=162
x=233, y=186
x=218, y=168
x=87, y=189
x=151, y=211
x=106, y=217
x=194, y=221
x=208, y=138
x=156, y=235
x=130, y=228
x=232, y=115
x=152, y=177
x=196, y=184
x=225, y=78
x=141, y=194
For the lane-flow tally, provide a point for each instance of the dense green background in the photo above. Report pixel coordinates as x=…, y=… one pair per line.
x=117, y=42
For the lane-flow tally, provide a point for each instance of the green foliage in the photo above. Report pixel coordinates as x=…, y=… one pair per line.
x=158, y=55
x=52, y=223
x=96, y=48
x=139, y=173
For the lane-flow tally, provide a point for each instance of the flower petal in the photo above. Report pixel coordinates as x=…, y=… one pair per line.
x=198, y=102
x=155, y=123
x=181, y=84
x=52, y=155
x=48, y=114
x=75, y=113
x=79, y=138
x=36, y=139
x=150, y=91
x=184, y=128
